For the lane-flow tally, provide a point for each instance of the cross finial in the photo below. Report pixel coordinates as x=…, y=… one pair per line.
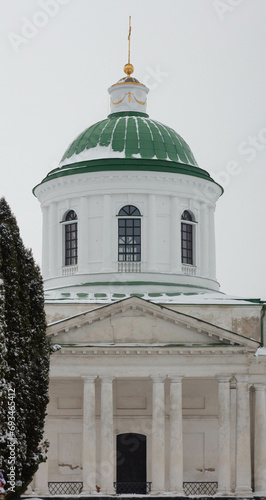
x=129, y=68
x=129, y=36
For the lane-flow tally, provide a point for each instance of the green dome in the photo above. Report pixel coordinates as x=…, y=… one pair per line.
x=129, y=135
x=128, y=140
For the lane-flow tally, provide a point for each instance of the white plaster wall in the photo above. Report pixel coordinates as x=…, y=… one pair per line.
x=97, y=198
x=133, y=413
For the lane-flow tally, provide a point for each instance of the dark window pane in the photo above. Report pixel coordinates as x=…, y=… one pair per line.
x=186, y=215
x=129, y=239
x=71, y=215
x=187, y=243
x=129, y=210
x=71, y=242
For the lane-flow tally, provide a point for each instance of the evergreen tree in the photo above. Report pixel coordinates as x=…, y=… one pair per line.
x=25, y=356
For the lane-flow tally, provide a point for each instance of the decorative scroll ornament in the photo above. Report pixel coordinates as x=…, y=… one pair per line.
x=129, y=94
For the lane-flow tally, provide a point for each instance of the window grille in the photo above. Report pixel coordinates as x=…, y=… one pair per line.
x=71, y=238
x=129, y=234
x=187, y=237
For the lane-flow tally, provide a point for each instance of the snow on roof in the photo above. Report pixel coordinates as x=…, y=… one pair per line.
x=83, y=295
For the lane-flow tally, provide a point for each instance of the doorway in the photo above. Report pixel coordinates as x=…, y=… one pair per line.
x=131, y=463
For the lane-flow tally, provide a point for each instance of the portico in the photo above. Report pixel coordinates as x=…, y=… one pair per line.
x=178, y=397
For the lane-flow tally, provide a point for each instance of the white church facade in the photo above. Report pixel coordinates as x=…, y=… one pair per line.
x=159, y=383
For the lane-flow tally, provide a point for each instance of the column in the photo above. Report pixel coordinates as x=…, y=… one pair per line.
x=107, y=437
x=176, y=436
x=243, y=460
x=89, y=435
x=41, y=479
x=233, y=433
x=224, y=467
x=260, y=440
x=158, y=435
x=152, y=233
x=175, y=246
x=83, y=236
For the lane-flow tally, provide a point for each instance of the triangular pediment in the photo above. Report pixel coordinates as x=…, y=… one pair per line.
x=135, y=321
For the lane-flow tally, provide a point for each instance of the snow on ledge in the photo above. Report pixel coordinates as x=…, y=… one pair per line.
x=261, y=351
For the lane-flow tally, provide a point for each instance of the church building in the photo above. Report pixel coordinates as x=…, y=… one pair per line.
x=158, y=386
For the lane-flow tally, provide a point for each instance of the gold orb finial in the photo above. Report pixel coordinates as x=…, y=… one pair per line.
x=128, y=69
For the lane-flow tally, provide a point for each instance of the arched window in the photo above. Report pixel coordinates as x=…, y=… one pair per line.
x=187, y=238
x=129, y=234
x=71, y=238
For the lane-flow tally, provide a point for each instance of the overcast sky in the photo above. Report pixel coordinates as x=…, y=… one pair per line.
x=204, y=61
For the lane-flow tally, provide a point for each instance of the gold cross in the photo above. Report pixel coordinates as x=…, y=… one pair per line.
x=129, y=35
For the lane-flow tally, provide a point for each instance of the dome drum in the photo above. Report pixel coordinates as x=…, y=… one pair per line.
x=161, y=199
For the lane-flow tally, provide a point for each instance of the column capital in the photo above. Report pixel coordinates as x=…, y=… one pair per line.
x=259, y=387
x=88, y=378
x=175, y=379
x=242, y=378
x=106, y=379
x=223, y=378
x=158, y=378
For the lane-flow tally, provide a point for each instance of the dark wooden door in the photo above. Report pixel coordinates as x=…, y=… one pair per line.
x=131, y=463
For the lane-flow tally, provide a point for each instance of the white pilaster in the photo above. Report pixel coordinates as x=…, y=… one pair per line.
x=204, y=240
x=89, y=435
x=41, y=479
x=53, y=236
x=243, y=459
x=107, y=436
x=175, y=246
x=260, y=440
x=158, y=435
x=176, y=436
x=152, y=233
x=45, y=242
x=212, y=252
x=224, y=470
x=107, y=233
x=83, y=236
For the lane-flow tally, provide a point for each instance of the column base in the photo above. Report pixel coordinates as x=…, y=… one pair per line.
x=108, y=492
x=86, y=493
x=260, y=493
x=224, y=493
x=41, y=493
x=244, y=492
x=175, y=493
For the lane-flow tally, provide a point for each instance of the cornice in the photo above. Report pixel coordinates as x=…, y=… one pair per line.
x=55, y=188
x=113, y=351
